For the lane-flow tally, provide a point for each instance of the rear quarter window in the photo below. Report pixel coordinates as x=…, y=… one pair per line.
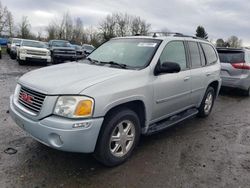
x=210, y=53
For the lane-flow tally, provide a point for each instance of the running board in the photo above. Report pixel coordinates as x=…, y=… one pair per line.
x=159, y=126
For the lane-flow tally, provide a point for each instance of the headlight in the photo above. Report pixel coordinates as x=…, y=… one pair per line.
x=74, y=106
x=23, y=51
x=16, y=93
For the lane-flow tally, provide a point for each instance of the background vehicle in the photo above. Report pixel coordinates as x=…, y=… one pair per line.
x=127, y=87
x=88, y=49
x=235, y=68
x=14, y=45
x=33, y=51
x=0, y=52
x=79, y=52
x=61, y=51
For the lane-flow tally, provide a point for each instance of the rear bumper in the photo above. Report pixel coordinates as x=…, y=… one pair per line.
x=66, y=137
x=240, y=83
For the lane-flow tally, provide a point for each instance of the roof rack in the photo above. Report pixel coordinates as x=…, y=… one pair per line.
x=174, y=34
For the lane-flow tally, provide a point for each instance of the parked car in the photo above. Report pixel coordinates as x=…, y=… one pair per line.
x=79, y=52
x=61, y=51
x=33, y=51
x=3, y=41
x=127, y=87
x=235, y=68
x=88, y=49
x=14, y=45
x=0, y=52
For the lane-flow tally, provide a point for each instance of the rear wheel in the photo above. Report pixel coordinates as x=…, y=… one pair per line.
x=207, y=103
x=118, y=138
x=247, y=92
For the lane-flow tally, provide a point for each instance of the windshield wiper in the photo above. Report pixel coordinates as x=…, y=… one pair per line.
x=124, y=66
x=92, y=60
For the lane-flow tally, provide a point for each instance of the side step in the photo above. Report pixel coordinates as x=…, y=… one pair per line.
x=161, y=125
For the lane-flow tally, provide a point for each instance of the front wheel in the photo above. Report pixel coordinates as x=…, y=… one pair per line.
x=207, y=103
x=118, y=137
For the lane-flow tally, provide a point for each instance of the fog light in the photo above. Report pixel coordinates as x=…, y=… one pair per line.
x=83, y=125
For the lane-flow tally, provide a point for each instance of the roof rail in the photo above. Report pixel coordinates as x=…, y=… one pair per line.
x=174, y=34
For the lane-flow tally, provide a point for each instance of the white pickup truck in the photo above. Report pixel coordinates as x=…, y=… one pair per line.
x=33, y=51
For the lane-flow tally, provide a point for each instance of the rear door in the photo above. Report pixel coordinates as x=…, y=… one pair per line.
x=198, y=72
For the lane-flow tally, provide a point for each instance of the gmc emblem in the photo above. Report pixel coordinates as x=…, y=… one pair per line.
x=27, y=98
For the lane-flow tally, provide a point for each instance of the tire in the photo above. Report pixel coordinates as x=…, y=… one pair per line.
x=247, y=92
x=12, y=56
x=207, y=103
x=21, y=62
x=114, y=124
x=54, y=60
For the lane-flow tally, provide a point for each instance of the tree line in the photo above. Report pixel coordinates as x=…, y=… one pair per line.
x=72, y=29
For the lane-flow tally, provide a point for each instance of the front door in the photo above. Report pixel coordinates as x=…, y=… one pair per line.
x=172, y=91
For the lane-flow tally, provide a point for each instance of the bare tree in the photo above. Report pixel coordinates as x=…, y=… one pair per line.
x=51, y=31
x=3, y=17
x=139, y=26
x=234, y=42
x=9, y=24
x=77, y=31
x=107, y=27
x=24, y=28
x=122, y=24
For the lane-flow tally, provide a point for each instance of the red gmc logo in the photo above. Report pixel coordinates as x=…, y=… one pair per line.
x=27, y=98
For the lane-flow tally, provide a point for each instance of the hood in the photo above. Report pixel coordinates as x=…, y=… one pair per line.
x=68, y=78
x=62, y=48
x=34, y=48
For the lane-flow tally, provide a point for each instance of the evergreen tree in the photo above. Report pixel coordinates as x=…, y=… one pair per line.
x=200, y=32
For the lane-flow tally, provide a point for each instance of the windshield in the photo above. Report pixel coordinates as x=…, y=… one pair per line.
x=34, y=44
x=231, y=56
x=135, y=53
x=61, y=44
x=16, y=41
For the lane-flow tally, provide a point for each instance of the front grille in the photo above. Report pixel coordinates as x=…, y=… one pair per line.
x=72, y=52
x=31, y=100
x=33, y=52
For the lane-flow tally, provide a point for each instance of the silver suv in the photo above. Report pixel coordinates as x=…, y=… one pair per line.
x=126, y=87
x=235, y=68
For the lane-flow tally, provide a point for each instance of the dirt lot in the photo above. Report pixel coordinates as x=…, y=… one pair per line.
x=212, y=152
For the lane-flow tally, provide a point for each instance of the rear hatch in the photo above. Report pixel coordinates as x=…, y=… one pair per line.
x=233, y=62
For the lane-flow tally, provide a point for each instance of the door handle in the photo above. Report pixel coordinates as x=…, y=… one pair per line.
x=208, y=73
x=186, y=78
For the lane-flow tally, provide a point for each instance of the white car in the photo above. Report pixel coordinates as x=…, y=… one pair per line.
x=33, y=51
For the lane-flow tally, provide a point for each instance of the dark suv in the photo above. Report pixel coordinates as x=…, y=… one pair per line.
x=61, y=50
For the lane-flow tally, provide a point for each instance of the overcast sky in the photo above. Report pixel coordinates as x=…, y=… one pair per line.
x=221, y=18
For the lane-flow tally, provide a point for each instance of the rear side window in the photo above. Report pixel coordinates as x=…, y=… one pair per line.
x=231, y=56
x=203, y=58
x=210, y=53
x=195, y=54
x=174, y=52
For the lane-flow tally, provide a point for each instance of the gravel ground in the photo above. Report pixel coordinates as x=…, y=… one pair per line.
x=211, y=152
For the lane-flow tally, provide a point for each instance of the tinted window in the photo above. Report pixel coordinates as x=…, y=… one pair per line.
x=174, y=52
x=231, y=56
x=195, y=54
x=203, y=58
x=210, y=53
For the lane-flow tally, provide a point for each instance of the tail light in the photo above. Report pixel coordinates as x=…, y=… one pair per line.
x=241, y=66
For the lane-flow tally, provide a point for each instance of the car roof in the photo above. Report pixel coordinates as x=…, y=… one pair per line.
x=231, y=49
x=31, y=40
x=170, y=37
x=58, y=40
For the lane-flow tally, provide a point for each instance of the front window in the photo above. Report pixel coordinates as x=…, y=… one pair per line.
x=134, y=53
x=34, y=44
x=174, y=52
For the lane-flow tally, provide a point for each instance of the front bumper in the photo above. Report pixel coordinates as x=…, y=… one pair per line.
x=58, y=133
x=35, y=58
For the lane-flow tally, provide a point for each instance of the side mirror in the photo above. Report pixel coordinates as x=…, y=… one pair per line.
x=167, y=67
